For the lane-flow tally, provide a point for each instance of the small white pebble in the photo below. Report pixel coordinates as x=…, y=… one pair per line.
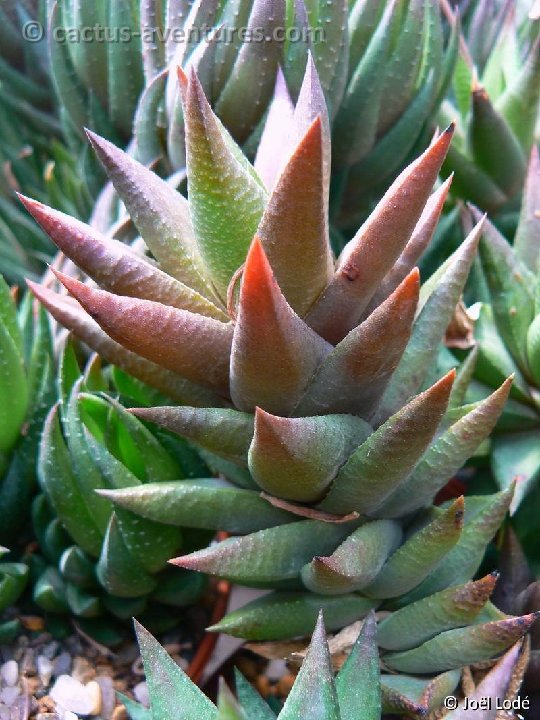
x=140, y=691
x=8, y=695
x=9, y=672
x=68, y=715
x=45, y=669
x=72, y=695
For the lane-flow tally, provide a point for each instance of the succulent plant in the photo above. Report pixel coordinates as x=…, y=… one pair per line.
x=303, y=384
x=506, y=334
x=26, y=393
x=358, y=691
x=496, y=95
x=13, y=580
x=97, y=563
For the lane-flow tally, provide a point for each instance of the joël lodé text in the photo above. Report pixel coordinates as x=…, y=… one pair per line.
x=489, y=703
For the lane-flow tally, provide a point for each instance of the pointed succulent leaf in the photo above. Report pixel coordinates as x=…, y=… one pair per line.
x=510, y=284
x=420, y=239
x=226, y=200
x=404, y=64
x=227, y=705
x=404, y=694
x=489, y=130
x=393, y=149
x=464, y=375
x=429, y=328
x=417, y=557
x=274, y=353
x=310, y=105
x=118, y=570
x=160, y=213
x=397, y=446
x=282, y=615
x=376, y=246
x=422, y=620
x=358, y=682
x=297, y=458
x=251, y=702
x=483, y=517
x=204, y=503
x=62, y=489
x=527, y=238
x=226, y=432
x=533, y=347
x=447, y=454
x=151, y=543
x=123, y=87
x=461, y=646
x=254, y=70
x=356, y=562
x=493, y=687
x=518, y=103
x=270, y=555
x=189, y=344
x=8, y=315
x=70, y=314
x=353, y=376
x=516, y=457
x=172, y=693
x=114, y=266
x=294, y=228
x=14, y=390
x=313, y=695
x=355, y=126
x=147, y=119
x=268, y=161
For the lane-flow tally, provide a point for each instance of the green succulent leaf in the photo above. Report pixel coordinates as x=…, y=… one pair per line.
x=358, y=682
x=63, y=490
x=527, y=237
x=454, y=648
x=250, y=700
x=281, y=615
x=269, y=555
x=226, y=432
x=314, y=693
x=172, y=693
x=419, y=555
x=118, y=570
x=297, y=458
x=203, y=503
x=420, y=621
x=226, y=200
x=397, y=445
x=356, y=562
x=510, y=285
x=447, y=453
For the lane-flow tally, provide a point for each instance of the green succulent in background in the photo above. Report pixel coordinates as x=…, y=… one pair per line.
x=26, y=394
x=98, y=562
x=312, y=380
x=34, y=156
x=507, y=338
x=496, y=96
x=383, y=68
x=357, y=692
x=13, y=580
